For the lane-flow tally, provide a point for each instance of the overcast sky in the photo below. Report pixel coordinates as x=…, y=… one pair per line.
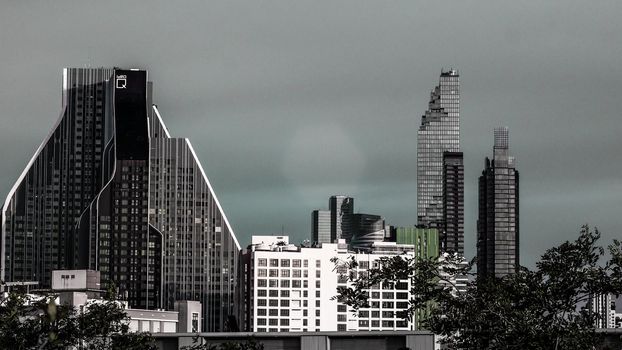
x=289, y=102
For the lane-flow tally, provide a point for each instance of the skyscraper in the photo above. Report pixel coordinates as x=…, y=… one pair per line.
x=320, y=226
x=341, y=210
x=438, y=133
x=497, y=226
x=110, y=190
x=452, y=232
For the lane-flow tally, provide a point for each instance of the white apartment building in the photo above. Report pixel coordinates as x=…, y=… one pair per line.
x=291, y=289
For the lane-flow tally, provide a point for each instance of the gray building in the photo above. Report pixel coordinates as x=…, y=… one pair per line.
x=110, y=190
x=451, y=234
x=341, y=209
x=366, y=229
x=498, y=222
x=438, y=133
x=320, y=226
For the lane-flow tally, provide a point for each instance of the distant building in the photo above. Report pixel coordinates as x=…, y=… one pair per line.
x=290, y=289
x=320, y=226
x=498, y=222
x=452, y=228
x=366, y=229
x=438, y=133
x=341, y=209
x=604, y=307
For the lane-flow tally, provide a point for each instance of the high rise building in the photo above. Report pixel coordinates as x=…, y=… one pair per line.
x=452, y=231
x=110, y=190
x=320, y=226
x=438, y=133
x=603, y=307
x=498, y=222
x=291, y=289
x=341, y=209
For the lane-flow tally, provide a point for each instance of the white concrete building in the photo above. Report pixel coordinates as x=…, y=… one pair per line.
x=291, y=289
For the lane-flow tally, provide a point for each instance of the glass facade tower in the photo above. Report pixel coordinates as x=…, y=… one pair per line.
x=497, y=224
x=439, y=133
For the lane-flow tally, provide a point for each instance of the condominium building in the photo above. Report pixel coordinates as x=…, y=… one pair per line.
x=291, y=289
x=111, y=190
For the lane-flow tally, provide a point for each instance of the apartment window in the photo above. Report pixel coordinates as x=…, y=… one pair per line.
x=262, y=273
x=273, y=322
x=318, y=263
x=284, y=322
x=317, y=284
x=317, y=304
x=285, y=273
x=285, y=312
x=284, y=283
x=341, y=327
x=274, y=273
x=296, y=274
x=296, y=263
x=317, y=293
x=273, y=312
x=341, y=308
x=261, y=321
x=274, y=293
x=195, y=322
x=284, y=294
x=306, y=263
x=261, y=312
x=274, y=302
x=296, y=283
x=274, y=262
x=261, y=292
x=285, y=303
x=341, y=318
x=284, y=262
x=363, y=323
x=261, y=302
x=262, y=283
x=317, y=273
x=274, y=283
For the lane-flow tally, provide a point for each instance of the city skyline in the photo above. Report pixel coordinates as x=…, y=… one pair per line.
x=269, y=114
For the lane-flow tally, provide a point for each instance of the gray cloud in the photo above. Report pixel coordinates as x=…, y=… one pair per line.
x=289, y=102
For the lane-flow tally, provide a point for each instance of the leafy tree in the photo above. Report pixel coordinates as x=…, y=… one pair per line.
x=28, y=322
x=542, y=308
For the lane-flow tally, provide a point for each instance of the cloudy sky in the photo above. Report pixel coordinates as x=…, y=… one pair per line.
x=288, y=102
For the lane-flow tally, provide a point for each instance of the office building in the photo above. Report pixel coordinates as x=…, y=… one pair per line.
x=320, y=226
x=366, y=229
x=341, y=208
x=439, y=132
x=498, y=222
x=110, y=190
x=452, y=230
x=603, y=307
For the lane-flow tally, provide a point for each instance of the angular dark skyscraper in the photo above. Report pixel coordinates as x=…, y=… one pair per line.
x=440, y=133
x=497, y=225
x=110, y=190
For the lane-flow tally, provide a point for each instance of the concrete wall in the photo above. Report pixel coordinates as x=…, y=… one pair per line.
x=385, y=340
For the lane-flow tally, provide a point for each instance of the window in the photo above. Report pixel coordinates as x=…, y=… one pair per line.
x=261, y=293
x=341, y=318
x=273, y=312
x=274, y=302
x=341, y=327
x=273, y=322
x=274, y=273
x=284, y=262
x=284, y=322
x=261, y=321
x=262, y=262
x=261, y=312
x=317, y=293
x=296, y=263
x=195, y=322
x=284, y=312
x=262, y=283
x=261, y=302
x=363, y=323
x=274, y=262
x=285, y=273
x=274, y=293
x=296, y=274
x=284, y=294
x=262, y=273
x=317, y=274
x=284, y=302
x=284, y=283
x=341, y=308
x=318, y=263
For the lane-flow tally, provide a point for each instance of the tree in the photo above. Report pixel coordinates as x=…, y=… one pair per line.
x=542, y=308
x=36, y=322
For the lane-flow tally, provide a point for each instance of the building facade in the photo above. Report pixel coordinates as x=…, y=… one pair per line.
x=341, y=210
x=452, y=230
x=110, y=190
x=439, y=132
x=498, y=222
x=320, y=226
x=291, y=289
x=366, y=229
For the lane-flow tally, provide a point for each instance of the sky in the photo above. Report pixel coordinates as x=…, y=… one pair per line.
x=289, y=102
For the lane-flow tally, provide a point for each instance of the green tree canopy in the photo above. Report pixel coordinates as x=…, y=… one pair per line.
x=543, y=308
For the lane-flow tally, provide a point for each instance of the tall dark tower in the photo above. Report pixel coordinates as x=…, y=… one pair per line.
x=440, y=170
x=498, y=223
x=451, y=237
x=109, y=189
x=341, y=210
